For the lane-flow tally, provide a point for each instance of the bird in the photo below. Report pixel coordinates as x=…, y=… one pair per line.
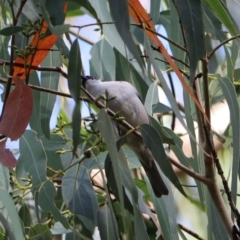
x=126, y=101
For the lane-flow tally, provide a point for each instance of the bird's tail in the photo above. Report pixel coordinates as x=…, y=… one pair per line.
x=156, y=180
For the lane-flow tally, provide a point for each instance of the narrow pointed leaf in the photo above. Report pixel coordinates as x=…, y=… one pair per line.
x=153, y=141
x=33, y=157
x=231, y=98
x=12, y=213
x=190, y=14
x=46, y=202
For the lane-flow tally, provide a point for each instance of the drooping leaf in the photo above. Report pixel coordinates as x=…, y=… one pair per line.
x=17, y=111
x=33, y=157
x=102, y=62
x=165, y=211
x=74, y=85
x=55, y=143
x=5, y=179
x=50, y=81
x=46, y=202
x=231, y=98
x=40, y=230
x=140, y=16
x=76, y=125
x=120, y=14
x=153, y=141
x=151, y=98
x=190, y=14
x=8, y=31
x=24, y=214
x=107, y=224
x=78, y=193
x=220, y=10
x=35, y=116
x=12, y=213
x=6, y=156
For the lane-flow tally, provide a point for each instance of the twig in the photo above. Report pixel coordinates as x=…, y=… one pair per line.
x=81, y=37
x=190, y=232
x=209, y=56
x=174, y=95
x=189, y=172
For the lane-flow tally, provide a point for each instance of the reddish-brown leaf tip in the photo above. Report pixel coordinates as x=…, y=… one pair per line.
x=6, y=156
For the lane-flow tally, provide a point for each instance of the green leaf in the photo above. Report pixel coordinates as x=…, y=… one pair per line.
x=46, y=202
x=153, y=141
x=33, y=157
x=215, y=226
x=177, y=148
x=120, y=14
x=8, y=31
x=220, y=10
x=106, y=130
x=4, y=180
x=176, y=34
x=196, y=164
x=40, y=230
x=102, y=62
x=231, y=98
x=151, y=98
x=154, y=10
x=116, y=164
x=87, y=6
x=35, y=117
x=161, y=108
x=126, y=71
x=76, y=125
x=233, y=8
x=166, y=89
x=7, y=202
x=50, y=81
x=107, y=224
x=74, y=71
x=78, y=193
x=55, y=142
x=190, y=14
x=165, y=211
x=25, y=216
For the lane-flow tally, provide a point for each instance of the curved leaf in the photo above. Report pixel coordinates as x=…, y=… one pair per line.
x=153, y=141
x=17, y=111
x=231, y=98
x=190, y=14
x=78, y=193
x=12, y=212
x=33, y=157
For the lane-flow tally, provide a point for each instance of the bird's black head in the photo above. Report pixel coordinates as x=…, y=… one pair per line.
x=85, y=78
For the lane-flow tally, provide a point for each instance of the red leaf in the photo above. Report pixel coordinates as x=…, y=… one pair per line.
x=42, y=47
x=6, y=156
x=17, y=111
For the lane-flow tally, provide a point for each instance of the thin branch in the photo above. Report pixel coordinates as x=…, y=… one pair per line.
x=189, y=172
x=160, y=35
x=81, y=37
x=174, y=58
x=209, y=56
x=22, y=3
x=190, y=232
x=174, y=95
x=92, y=24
